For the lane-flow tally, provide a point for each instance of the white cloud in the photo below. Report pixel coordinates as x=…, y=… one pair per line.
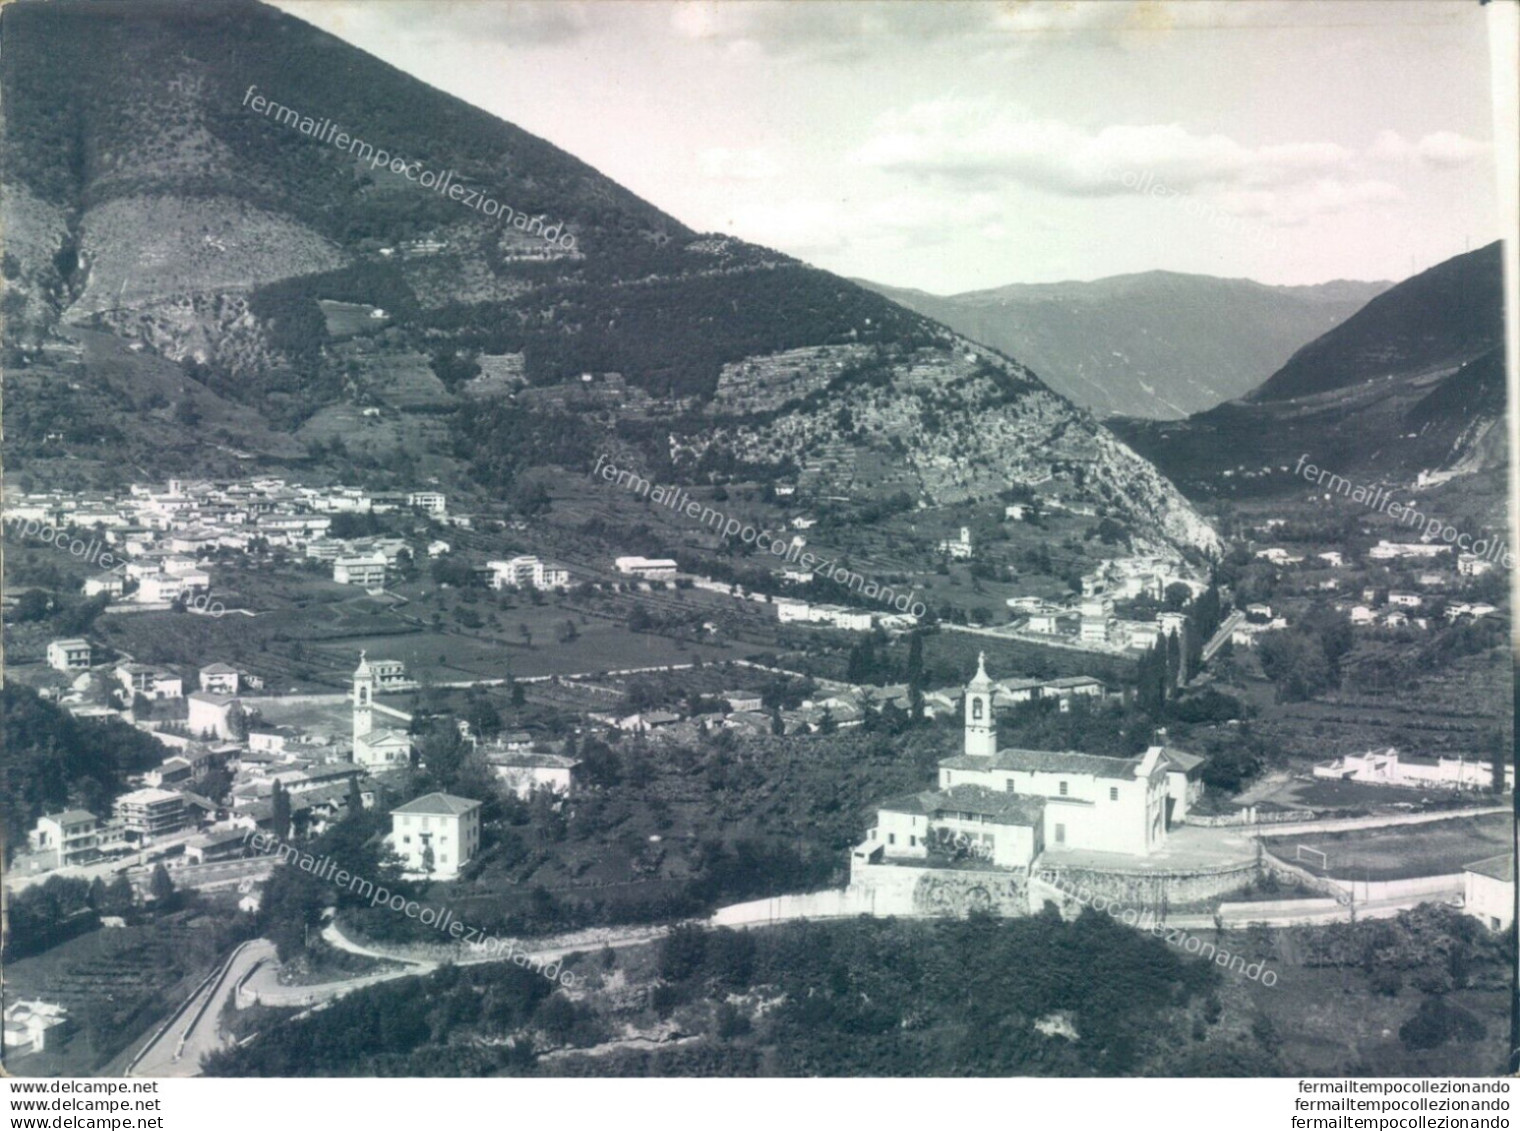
x=980, y=142
x=1442, y=149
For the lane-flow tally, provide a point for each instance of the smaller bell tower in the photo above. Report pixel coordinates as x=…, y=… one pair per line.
x=364, y=701
x=981, y=730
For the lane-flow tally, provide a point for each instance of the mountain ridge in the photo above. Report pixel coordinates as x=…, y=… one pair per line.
x=357, y=313
x=1146, y=344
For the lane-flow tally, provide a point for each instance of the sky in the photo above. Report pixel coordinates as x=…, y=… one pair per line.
x=960, y=146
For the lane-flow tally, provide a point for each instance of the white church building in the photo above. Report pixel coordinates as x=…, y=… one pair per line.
x=1008, y=806
x=382, y=747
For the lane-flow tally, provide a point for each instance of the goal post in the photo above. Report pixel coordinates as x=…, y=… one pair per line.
x=1303, y=853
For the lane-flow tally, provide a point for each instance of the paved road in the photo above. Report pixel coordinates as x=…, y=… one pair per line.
x=1226, y=629
x=195, y=1029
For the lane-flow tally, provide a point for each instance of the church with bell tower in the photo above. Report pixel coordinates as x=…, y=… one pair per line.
x=382, y=747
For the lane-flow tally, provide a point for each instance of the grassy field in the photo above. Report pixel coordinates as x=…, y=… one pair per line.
x=1436, y=848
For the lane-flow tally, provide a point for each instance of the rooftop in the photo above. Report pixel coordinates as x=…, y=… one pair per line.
x=440, y=804
x=1046, y=761
x=1500, y=867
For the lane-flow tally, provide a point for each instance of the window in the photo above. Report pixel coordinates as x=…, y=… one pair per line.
x=913, y=842
x=1063, y=789
x=891, y=838
x=1061, y=834
x=1113, y=793
x=976, y=707
x=1010, y=785
x=406, y=840
x=948, y=777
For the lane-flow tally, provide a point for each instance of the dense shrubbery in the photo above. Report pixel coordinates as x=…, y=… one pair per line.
x=50, y=760
x=409, y=1028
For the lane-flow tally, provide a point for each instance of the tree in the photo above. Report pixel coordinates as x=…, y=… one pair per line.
x=237, y=721
x=280, y=818
x=120, y=896
x=161, y=886
x=1177, y=596
x=915, y=676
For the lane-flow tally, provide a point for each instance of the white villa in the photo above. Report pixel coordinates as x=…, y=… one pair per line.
x=436, y=834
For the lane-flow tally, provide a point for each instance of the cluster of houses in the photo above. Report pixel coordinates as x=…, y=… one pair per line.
x=158, y=534
x=320, y=772
x=1389, y=767
x=795, y=610
x=525, y=571
x=1090, y=621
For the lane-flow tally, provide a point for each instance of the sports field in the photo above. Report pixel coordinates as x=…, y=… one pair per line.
x=1399, y=852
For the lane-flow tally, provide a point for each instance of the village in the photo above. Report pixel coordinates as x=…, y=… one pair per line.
x=1000, y=828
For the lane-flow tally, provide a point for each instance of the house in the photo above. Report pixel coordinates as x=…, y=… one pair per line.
x=209, y=847
x=70, y=837
x=1332, y=558
x=1407, y=600
x=433, y=502
x=1488, y=891
x=743, y=700
x=219, y=678
x=524, y=571
x=212, y=713
x=1069, y=687
x=110, y=584
x=650, y=569
x=1361, y=614
x=154, y=683
x=27, y=1024
x=1096, y=618
x=525, y=771
x=1470, y=565
x=366, y=570
x=438, y=547
x=157, y=588
x=1046, y=623
x=1385, y=550
x=172, y=771
x=436, y=835
x=959, y=547
x=149, y=813
x=647, y=720
x=68, y=655
x=1003, y=829
x=1017, y=511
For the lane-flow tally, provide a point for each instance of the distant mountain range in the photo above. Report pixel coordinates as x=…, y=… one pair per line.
x=204, y=275
x=1158, y=345
x=1412, y=382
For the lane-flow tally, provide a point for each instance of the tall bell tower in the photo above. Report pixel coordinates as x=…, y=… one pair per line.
x=981, y=730
x=364, y=700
